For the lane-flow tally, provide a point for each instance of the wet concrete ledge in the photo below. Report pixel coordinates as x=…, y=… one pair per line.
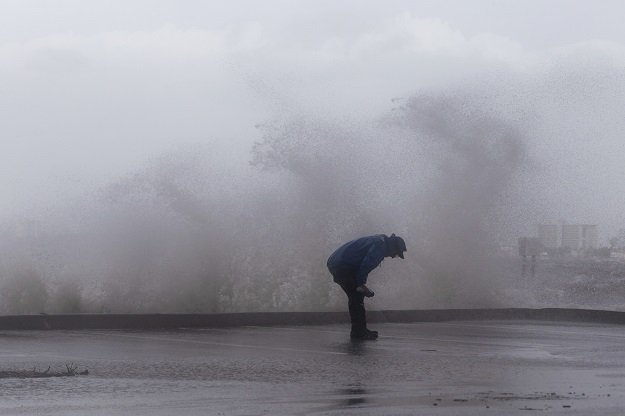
x=173, y=321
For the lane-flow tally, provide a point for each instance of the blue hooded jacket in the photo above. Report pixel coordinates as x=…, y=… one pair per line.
x=361, y=256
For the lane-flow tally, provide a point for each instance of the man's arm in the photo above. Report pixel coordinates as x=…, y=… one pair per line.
x=372, y=259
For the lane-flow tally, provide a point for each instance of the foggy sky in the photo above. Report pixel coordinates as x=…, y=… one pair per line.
x=91, y=92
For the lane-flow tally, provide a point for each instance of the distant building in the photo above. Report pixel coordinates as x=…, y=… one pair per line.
x=529, y=246
x=579, y=236
x=548, y=235
x=574, y=237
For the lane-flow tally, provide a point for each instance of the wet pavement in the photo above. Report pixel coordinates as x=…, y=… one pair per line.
x=437, y=368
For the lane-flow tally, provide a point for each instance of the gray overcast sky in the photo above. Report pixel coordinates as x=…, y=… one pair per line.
x=89, y=90
x=534, y=23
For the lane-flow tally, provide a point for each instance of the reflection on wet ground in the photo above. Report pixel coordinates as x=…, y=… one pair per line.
x=356, y=395
x=453, y=368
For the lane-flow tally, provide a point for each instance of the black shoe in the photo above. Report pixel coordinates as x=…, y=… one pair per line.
x=372, y=333
x=364, y=336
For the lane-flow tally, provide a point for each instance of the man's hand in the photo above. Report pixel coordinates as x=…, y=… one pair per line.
x=365, y=291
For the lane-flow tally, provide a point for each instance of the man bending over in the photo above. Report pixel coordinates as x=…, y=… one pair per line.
x=350, y=265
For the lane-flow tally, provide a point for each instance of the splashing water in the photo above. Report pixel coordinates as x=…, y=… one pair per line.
x=193, y=231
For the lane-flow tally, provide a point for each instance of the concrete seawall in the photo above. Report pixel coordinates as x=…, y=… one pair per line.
x=173, y=321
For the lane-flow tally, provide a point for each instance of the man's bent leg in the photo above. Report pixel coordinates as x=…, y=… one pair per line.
x=355, y=303
x=357, y=312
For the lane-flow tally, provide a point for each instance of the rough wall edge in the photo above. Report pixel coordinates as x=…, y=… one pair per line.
x=174, y=321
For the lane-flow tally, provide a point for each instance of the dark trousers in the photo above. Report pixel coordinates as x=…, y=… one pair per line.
x=356, y=301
